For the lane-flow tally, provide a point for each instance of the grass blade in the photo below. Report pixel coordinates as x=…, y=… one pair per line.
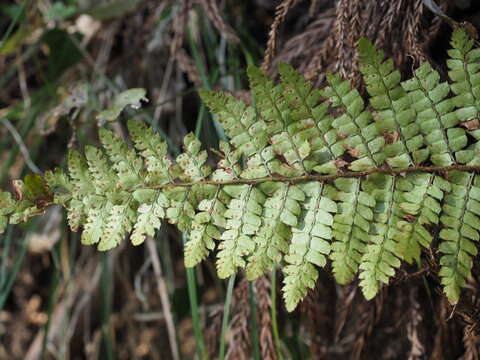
x=226, y=314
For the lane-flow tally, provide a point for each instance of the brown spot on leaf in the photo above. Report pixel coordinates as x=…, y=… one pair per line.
x=471, y=125
x=409, y=218
x=391, y=137
x=353, y=152
x=340, y=163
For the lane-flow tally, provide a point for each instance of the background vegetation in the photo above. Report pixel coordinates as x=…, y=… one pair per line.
x=62, y=62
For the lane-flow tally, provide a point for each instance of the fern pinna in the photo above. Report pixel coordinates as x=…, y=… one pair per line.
x=308, y=176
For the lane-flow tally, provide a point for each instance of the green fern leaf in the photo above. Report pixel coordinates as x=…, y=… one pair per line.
x=464, y=71
x=350, y=228
x=154, y=150
x=281, y=210
x=150, y=214
x=312, y=123
x=396, y=114
x=379, y=261
x=461, y=222
x=118, y=223
x=435, y=116
x=391, y=175
x=243, y=221
x=192, y=161
x=60, y=185
x=309, y=245
x=82, y=187
x=420, y=206
x=355, y=124
x=96, y=220
x=181, y=209
x=281, y=125
x=205, y=228
x=247, y=133
x=125, y=161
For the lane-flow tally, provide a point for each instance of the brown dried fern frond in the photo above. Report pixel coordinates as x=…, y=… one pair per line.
x=471, y=341
x=417, y=348
x=281, y=12
x=299, y=50
x=267, y=347
x=240, y=339
x=179, y=26
x=402, y=28
x=213, y=331
x=212, y=10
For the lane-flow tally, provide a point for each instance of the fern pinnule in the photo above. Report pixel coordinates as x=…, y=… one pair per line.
x=379, y=260
x=460, y=217
x=396, y=116
x=464, y=71
x=355, y=124
x=154, y=151
x=314, y=124
x=280, y=212
x=435, y=116
x=420, y=207
x=351, y=227
x=309, y=244
x=280, y=124
x=243, y=221
x=125, y=161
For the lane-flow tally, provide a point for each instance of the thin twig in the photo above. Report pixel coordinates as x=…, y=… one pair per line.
x=22, y=80
x=163, y=293
x=163, y=90
x=23, y=149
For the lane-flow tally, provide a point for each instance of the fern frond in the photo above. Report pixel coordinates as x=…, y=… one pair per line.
x=60, y=185
x=82, y=186
x=210, y=219
x=300, y=181
x=101, y=173
x=464, y=71
x=205, y=228
x=96, y=220
x=247, y=133
x=150, y=214
x=192, y=161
